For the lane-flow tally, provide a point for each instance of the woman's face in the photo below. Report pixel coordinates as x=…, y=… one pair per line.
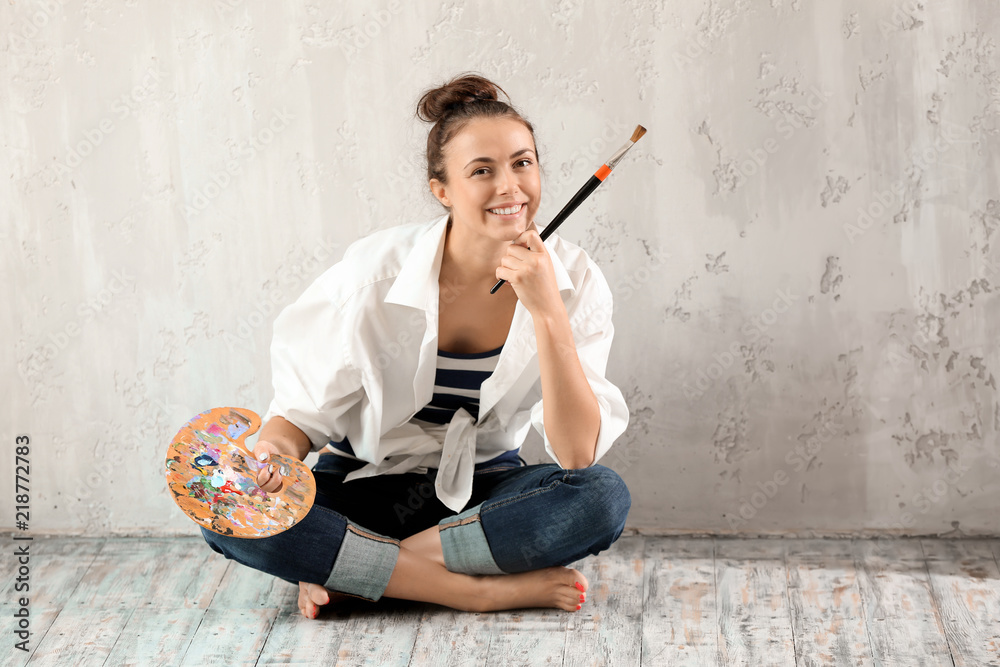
x=493, y=186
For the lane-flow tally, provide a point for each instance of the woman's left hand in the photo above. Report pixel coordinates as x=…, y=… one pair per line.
x=528, y=268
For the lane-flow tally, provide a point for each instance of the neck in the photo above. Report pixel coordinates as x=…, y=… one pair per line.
x=471, y=261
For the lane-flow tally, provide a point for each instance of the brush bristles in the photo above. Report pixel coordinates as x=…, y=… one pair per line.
x=637, y=135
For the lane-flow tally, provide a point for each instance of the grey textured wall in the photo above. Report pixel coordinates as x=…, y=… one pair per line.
x=803, y=248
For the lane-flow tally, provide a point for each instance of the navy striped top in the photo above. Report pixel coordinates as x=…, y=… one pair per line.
x=456, y=385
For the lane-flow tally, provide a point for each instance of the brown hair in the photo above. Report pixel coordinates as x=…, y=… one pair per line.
x=451, y=106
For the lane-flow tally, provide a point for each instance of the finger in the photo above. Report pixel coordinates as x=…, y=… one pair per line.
x=512, y=263
x=518, y=251
x=262, y=452
x=529, y=238
x=504, y=273
x=274, y=483
x=269, y=478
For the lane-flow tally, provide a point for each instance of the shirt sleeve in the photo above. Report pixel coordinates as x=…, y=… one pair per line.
x=593, y=331
x=315, y=384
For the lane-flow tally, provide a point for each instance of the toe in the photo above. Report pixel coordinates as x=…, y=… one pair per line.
x=307, y=605
x=318, y=594
x=570, y=599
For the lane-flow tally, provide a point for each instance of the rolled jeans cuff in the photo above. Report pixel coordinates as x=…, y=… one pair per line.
x=364, y=563
x=464, y=544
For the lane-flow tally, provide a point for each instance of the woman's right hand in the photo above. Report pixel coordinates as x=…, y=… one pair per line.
x=269, y=477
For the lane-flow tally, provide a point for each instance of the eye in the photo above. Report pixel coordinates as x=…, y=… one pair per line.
x=523, y=162
x=481, y=170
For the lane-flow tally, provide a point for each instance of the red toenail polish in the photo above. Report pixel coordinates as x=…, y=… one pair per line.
x=578, y=585
x=581, y=599
x=578, y=606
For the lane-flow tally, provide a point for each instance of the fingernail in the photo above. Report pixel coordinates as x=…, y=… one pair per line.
x=578, y=585
x=262, y=456
x=270, y=468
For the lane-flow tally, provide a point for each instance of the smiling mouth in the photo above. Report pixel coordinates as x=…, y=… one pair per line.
x=507, y=210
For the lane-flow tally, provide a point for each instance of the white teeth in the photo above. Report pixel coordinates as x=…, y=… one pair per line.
x=506, y=211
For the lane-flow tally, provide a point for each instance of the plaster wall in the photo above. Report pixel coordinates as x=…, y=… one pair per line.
x=803, y=248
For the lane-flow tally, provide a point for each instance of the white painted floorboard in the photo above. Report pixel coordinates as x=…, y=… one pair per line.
x=652, y=601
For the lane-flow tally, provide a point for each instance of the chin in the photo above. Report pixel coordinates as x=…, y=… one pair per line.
x=519, y=228
x=506, y=227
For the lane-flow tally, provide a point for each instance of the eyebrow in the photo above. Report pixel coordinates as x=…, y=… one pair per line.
x=490, y=160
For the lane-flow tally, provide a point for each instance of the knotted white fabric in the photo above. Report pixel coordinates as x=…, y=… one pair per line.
x=458, y=461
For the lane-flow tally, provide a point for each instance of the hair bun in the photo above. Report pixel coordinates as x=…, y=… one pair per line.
x=464, y=89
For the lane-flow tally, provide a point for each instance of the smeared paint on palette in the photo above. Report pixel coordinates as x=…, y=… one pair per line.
x=212, y=476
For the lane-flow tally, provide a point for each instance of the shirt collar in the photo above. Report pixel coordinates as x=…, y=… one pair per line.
x=416, y=284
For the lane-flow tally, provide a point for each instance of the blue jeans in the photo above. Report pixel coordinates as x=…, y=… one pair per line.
x=520, y=518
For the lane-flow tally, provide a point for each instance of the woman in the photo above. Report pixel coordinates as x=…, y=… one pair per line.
x=422, y=387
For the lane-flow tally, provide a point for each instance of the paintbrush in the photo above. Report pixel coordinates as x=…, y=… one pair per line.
x=585, y=191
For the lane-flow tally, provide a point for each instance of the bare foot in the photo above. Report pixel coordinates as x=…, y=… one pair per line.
x=312, y=597
x=558, y=587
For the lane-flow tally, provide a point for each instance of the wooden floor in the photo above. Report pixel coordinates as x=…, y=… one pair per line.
x=653, y=601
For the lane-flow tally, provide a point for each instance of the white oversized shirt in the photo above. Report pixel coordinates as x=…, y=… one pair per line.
x=355, y=357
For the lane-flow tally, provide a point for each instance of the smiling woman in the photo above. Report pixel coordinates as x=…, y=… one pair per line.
x=421, y=387
x=492, y=193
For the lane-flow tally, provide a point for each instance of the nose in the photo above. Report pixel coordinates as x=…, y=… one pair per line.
x=506, y=181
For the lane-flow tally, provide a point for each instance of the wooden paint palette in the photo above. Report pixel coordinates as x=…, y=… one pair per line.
x=212, y=476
